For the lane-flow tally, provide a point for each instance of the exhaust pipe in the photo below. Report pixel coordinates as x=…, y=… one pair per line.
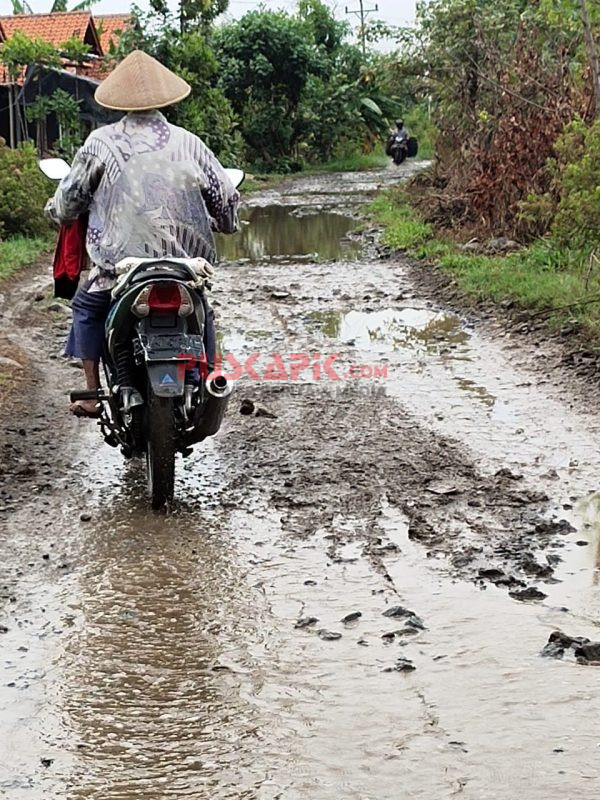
x=213, y=410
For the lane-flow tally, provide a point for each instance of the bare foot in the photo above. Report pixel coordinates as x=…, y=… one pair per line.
x=86, y=408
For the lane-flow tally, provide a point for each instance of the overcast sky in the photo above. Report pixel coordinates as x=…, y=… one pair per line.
x=396, y=12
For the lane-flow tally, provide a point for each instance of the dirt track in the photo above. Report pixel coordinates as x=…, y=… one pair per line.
x=451, y=502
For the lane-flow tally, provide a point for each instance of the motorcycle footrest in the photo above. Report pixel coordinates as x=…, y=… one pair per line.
x=88, y=394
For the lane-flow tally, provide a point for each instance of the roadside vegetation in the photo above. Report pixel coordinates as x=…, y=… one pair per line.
x=514, y=95
x=277, y=91
x=24, y=233
x=21, y=251
x=558, y=284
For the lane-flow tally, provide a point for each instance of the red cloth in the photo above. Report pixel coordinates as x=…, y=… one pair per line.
x=70, y=257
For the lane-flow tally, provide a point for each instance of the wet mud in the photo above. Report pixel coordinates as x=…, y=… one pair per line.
x=379, y=581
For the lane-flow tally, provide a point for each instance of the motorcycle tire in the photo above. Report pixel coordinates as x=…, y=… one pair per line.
x=160, y=453
x=399, y=156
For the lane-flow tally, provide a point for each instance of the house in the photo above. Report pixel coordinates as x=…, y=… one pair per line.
x=110, y=27
x=55, y=28
x=101, y=34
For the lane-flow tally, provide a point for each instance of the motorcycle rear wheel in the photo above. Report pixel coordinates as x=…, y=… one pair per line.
x=160, y=453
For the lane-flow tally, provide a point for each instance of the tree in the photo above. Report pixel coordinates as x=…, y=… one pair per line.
x=264, y=65
x=16, y=54
x=502, y=81
x=302, y=92
x=592, y=53
x=191, y=13
x=62, y=5
x=21, y=51
x=321, y=25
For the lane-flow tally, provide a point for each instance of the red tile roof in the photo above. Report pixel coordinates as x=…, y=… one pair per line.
x=55, y=28
x=110, y=27
x=6, y=80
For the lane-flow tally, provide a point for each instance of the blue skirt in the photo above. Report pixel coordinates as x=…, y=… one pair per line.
x=90, y=310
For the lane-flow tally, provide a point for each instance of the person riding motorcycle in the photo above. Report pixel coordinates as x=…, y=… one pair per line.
x=397, y=140
x=152, y=190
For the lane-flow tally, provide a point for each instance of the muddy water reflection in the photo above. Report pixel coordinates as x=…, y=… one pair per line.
x=579, y=570
x=391, y=329
x=279, y=231
x=153, y=678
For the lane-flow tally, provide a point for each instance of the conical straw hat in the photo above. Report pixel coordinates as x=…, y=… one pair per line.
x=141, y=83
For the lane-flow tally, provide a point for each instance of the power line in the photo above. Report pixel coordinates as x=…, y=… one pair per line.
x=363, y=13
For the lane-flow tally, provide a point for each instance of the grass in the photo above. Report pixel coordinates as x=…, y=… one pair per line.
x=20, y=252
x=540, y=278
x=404, y=230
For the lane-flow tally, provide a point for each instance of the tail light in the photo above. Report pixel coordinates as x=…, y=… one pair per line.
x=163, y=298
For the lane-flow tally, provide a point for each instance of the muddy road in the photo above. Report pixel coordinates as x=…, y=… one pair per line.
x=352, y=594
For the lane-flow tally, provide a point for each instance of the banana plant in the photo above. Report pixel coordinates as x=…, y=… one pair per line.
x=23, y=7
x=61, y=5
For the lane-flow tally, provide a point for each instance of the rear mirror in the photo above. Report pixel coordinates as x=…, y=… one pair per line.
x=236, y=176
x=55, y=168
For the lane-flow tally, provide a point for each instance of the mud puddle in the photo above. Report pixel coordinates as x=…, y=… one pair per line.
x=391, y=329
x=317, y=618
x=286, y=233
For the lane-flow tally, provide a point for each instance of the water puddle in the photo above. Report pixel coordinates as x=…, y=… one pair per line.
x=391, y=329
x=578, y=574
x=287, y=233
x=499, y=410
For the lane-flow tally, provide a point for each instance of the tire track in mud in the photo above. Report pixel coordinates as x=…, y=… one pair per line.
x=339, y=463
x=149, y=656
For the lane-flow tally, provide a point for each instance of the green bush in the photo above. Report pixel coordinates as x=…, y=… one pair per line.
x=23, y=192
x=577, y=220
x=570, y=209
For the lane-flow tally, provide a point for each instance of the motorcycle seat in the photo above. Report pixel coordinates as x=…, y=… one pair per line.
x=199, y=266
x=133, y=271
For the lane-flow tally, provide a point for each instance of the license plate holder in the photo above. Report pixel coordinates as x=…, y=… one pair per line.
x=168, y=347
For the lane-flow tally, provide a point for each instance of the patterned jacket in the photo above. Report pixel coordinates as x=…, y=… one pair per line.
x=152, y=190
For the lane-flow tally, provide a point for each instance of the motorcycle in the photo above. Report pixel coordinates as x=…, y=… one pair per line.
x=162, y=396
x=401, y=146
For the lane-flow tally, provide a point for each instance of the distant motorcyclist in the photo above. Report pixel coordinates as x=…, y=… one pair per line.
x=397, y=143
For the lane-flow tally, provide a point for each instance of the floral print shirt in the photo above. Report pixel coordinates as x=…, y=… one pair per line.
x=152, y=190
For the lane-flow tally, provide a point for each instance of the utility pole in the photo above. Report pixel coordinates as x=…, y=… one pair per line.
x=363, y=13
